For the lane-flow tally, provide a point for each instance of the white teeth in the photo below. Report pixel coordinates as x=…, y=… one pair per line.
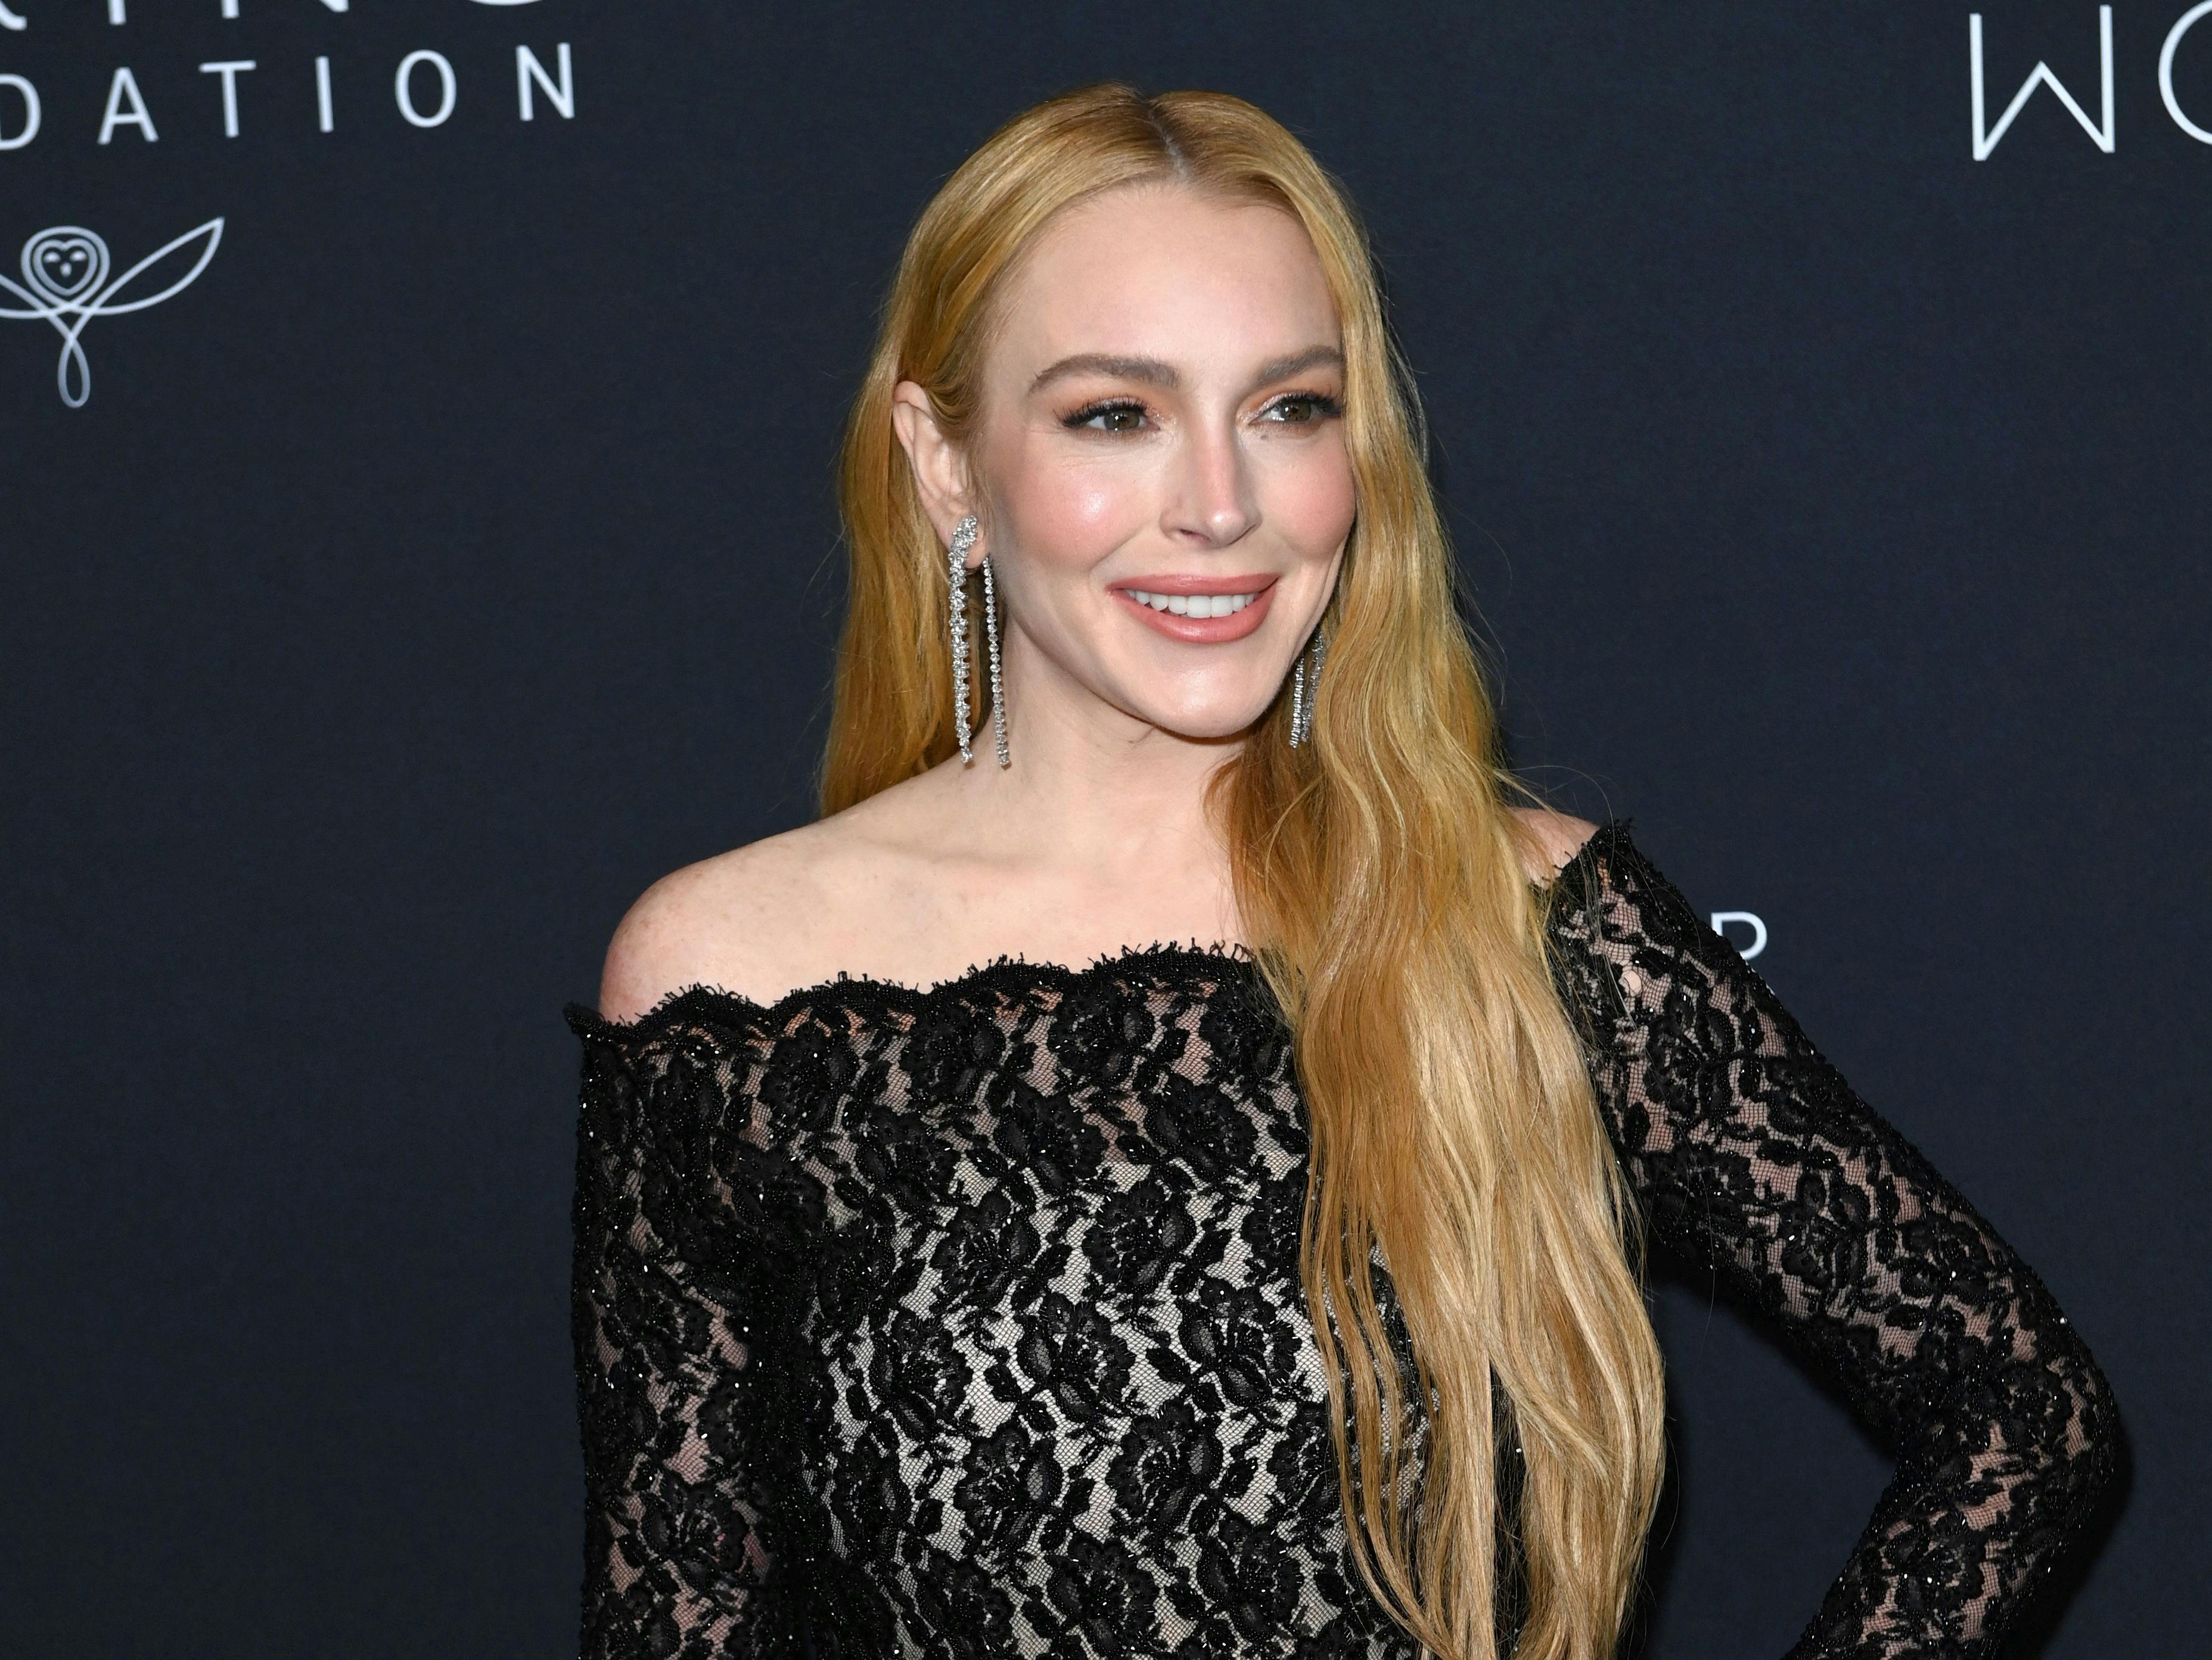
x=1193, y=605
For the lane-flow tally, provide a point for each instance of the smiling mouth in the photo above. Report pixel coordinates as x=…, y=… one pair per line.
x=1193, y=605
x=1200, y=611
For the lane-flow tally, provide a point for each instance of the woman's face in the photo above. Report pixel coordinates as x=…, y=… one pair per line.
x=1158, y=459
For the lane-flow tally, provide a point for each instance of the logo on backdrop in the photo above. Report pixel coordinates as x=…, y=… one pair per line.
x=425, y=89
x=66, y=270
x=65, y=282
x=1723, y=920
x=2102, y=132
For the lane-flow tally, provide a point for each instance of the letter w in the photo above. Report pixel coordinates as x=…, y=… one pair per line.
x=1986, y=141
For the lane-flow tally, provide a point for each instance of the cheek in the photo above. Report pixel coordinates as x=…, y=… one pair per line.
x=1309, y=499
x=1069, y=512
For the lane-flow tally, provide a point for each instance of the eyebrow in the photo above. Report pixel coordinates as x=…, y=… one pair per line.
x=1281, y=368
x=1152, y=372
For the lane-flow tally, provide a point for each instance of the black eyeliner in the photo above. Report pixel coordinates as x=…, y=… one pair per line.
x=1331, y=407
x=1106, y=407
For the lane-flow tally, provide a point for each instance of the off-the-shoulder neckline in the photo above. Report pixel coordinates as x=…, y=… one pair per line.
x=1012, y=972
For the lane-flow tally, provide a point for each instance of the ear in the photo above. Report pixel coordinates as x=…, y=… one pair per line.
x=940, y=465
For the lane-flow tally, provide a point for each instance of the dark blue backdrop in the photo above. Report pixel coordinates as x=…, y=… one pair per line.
x=453, y=554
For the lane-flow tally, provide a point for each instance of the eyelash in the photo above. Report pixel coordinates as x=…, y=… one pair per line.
x=1325, y=409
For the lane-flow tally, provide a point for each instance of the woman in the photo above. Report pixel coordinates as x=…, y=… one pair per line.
x=1276, y=1293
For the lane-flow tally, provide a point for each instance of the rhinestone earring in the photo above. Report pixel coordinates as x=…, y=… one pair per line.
x=964, y=537
x=998, y=686
x=1305, y=681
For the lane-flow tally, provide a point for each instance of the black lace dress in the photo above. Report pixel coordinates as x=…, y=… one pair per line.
x=967, y=1322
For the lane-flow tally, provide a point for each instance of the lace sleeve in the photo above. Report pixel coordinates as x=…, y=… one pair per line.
x=1749, y=1153
x=677, y=1527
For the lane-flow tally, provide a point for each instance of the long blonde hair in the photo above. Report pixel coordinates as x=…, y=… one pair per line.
x=1380, y=873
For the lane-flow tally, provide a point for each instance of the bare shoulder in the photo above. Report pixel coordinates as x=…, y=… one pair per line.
x=1549, y=840
x=721, y=922
x=787, y=912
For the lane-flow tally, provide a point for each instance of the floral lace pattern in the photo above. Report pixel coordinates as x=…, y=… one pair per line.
x=967, y=1322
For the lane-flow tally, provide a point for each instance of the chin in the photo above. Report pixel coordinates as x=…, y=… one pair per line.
x=1207, y=719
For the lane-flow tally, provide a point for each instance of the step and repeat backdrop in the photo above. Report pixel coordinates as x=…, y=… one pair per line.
x=416, y=536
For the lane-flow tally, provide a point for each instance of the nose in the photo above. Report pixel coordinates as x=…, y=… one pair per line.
x=1212, y=503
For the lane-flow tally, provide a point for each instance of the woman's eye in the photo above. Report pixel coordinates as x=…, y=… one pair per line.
x=1110, y=417
x=1302, y=408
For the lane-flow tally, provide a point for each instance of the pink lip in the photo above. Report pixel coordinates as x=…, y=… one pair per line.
x=1198, y=631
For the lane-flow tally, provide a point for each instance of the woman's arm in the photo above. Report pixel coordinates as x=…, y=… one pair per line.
x=1749, y=1152
x=677, y=1521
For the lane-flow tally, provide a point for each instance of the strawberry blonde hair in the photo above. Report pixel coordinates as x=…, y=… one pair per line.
x=1380, y=873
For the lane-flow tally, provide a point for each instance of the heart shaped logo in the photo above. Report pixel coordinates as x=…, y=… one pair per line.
x=67, y=283
x=65, y=264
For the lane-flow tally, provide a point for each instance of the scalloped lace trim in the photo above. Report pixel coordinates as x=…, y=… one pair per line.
x=1011, y=971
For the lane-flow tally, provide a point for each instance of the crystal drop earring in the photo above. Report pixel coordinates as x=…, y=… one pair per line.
x=1305, y=681
x=964, y=537
x=998, y=686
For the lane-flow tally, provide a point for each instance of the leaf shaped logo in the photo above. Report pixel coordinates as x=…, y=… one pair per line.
x=66, y=284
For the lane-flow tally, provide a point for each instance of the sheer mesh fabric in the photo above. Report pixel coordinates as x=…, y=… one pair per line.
x=967, y=1322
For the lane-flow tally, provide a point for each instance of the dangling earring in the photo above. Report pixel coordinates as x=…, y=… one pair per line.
x=1305, y=681
x=964, y=537
x=998, y=687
